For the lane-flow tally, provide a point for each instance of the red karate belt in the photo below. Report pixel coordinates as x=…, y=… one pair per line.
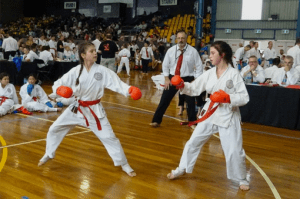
x=88, y=104
x=208, y=113
x=3, y=98
x=34, y=99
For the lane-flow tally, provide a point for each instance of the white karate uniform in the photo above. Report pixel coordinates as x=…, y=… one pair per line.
x=39, y=105
x=269, y=54
x=225, y=120
x=260, y=73
x=254, y=52
x=52, y=46
x=65, y=101
x=97, y=43
x=292, y=76
x=124, y=55
x=68, y=54
x=159, y=81
x=8, y=91
x=295, y=53
x=91, y=87
x=239, y=54
x=269, y=72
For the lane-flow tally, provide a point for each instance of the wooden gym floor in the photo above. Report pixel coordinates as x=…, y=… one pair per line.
x=83, y=169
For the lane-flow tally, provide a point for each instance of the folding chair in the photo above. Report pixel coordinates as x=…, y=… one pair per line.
x=45, y=73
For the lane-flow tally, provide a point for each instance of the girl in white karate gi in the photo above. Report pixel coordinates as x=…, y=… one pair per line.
x=226, y=118
x=88, y=82
x=34, y=97
x=124, y=55
x=8, y=95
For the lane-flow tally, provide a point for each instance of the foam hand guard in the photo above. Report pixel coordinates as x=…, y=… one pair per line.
x=49, y=104
x=177, y=81
x=220, y=97
x=135, y=92
x=30, y=88
x=64, y=91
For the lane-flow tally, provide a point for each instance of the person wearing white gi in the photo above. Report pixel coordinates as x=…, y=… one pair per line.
x=88, y=82
x=269, y=72
x=52, y=45
x=255, y=51
x=295, y=53
x=270, y=54
x=254, y=70
x=226, y=119
x=124, y=55
x=239, y=53
x=286, y=75
x=10, y=46
x=8, y=95
x=34, y=97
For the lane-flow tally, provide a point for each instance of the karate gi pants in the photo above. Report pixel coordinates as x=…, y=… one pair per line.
x=232, y=145
x=124, y=60
x=36, y=106
x=167, y=97
x=6, y=106
x=68, y=120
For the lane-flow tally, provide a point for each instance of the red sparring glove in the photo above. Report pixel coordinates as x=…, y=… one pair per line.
x=135, y=92
x=64, y=91
x=24, y=111
x=220, y=97
x=177, y=81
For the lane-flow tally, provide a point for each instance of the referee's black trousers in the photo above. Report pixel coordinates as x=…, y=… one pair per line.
x=167, y=97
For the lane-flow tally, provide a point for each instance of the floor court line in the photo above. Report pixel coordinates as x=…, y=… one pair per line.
x=4, y=154
x=267, y=179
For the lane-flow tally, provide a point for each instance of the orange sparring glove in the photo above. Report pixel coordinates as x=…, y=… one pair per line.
x=24, y=111
x=135, y=92
x=177, y=81
x=64, y=91
x=220, y=97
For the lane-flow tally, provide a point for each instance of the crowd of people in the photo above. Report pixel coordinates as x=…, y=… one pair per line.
x=218, y=74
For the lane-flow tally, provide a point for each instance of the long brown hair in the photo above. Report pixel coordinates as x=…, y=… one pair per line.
x=223, y=47
x=82, y=48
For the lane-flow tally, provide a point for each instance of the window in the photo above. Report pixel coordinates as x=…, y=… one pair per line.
x=251, y=9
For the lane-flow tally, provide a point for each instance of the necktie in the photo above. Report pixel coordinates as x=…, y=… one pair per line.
x=147, y=52
x=251, y=77
x=179, y=63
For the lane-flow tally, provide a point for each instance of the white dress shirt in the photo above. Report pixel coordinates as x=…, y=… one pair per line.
x=292, y=76
x=97, y=43
x=32, y=56
x=10, y=44
x=270, y=53
x=269, y=72
x=191, y=61
x=295, y=53
x=259, y=71
x=46, y=56
x=144, y=54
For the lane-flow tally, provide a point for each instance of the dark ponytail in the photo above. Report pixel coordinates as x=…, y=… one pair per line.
x=223, y=47
x=82, y=48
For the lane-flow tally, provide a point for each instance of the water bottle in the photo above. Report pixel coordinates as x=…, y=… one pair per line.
x=284, y=80
x=10, y=58
x=1, y=56
x=248, y=78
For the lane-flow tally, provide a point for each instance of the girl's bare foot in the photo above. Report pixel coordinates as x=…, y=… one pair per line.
x=128, y=170
x=244, y=187
x=175, y=173
x=44, y=159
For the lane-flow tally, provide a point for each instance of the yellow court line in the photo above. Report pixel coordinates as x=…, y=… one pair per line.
x=263, y=174
x=4, y=156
